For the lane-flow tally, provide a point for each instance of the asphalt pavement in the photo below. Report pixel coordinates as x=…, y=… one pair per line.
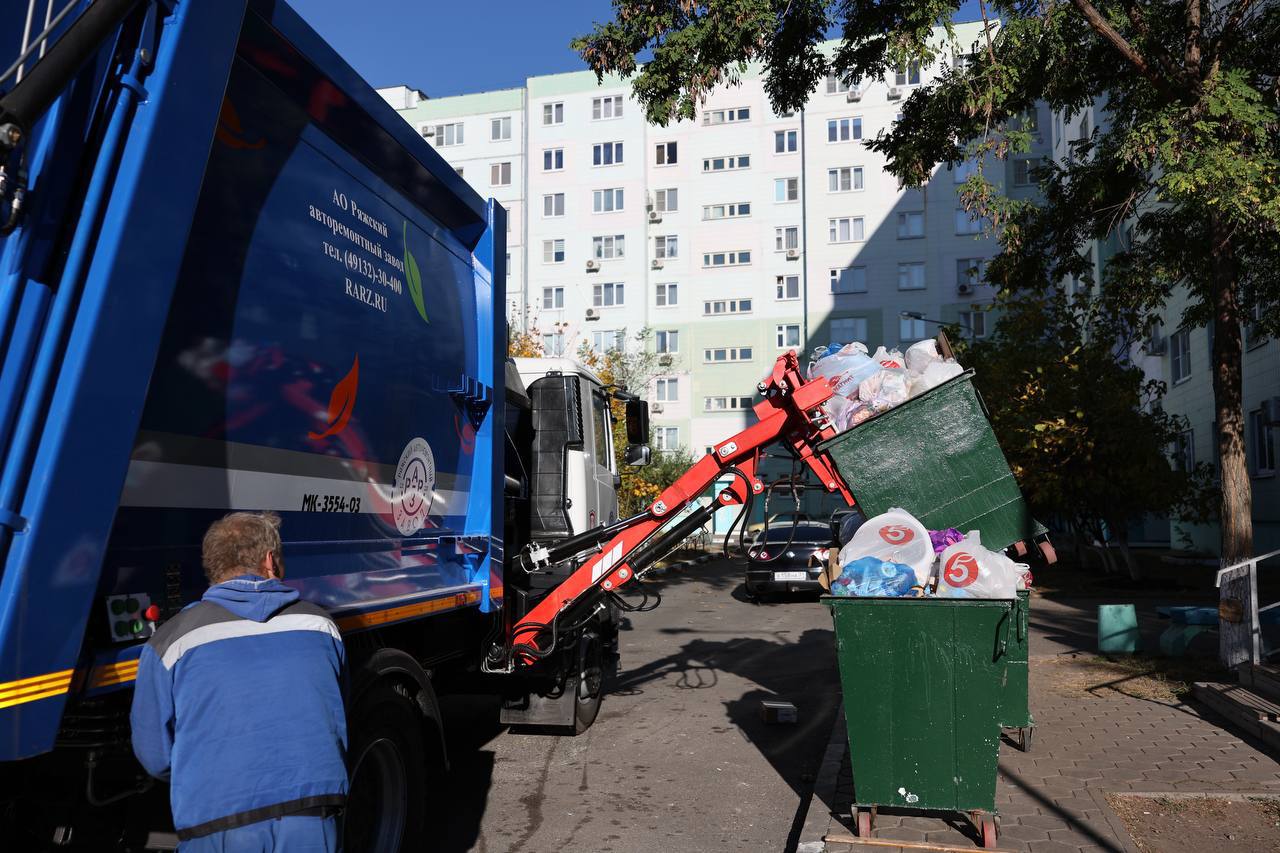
x=680, y=758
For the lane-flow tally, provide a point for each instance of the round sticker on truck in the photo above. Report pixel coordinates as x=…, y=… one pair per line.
x=415, y=486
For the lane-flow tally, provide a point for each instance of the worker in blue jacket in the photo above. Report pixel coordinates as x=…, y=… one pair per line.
x=239, y=704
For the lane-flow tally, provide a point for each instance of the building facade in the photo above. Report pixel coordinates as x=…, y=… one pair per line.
x=730, y=238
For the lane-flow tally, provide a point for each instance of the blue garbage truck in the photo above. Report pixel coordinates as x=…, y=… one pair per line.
x=233, y=278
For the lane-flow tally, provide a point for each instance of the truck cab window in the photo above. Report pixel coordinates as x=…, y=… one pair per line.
x=603, y=428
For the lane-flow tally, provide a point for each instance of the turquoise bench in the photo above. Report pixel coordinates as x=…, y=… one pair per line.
x=1186, y=623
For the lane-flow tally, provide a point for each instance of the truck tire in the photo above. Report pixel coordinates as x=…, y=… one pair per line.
x=393, y=765
x=588, y=680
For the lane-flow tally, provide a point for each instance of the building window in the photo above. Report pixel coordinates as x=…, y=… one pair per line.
x=836, y=86
x=553, y=159
x=785, y=141
x=844, y=129
x=961, y=171
x=910, y=330
x=1029, y=121
x=845, y=179
x=1264, y=445
x=711, y=117
x=608, y=247
x=1253, y=335
x=606, y=341
x=788, y=335
x=974, y=323
x=666, y=341
x=553, y=251
x=849, y=280
x=553, y=113
x=665, y=154
x=666, y=201
x=444, y=135
x=607, y=295
x=911, y=276
x=666, y=294
x=713, y=307
x=787, y=287
x=606, y=154
x=609, y=106
x=666, y=246
x=786, y=238
x=786, y=189
x=726, y=211
x=849, y=329
x=666, y=438
x=606, y=201
x=726, y=164
x=725, y=404
x=971, y=271
x=908, y=75
x=721, y=355
x=726, y=259
x=553, y=344
x=552, y=298
x=845, y=230
x=500, y=174
x=500, y=129
x=667, y=390
x=1180, y=355
x=1184, y=451
x=553, y=204
x=910, y=225
x=966, y=224
x=1024, y=171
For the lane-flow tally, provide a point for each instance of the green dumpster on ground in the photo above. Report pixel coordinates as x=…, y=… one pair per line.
x=923, y=682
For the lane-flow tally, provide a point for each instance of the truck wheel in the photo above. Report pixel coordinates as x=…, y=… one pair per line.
x=589, y=679
x=391, y=762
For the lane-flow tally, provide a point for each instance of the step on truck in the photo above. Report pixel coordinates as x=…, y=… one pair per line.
x=233, y=278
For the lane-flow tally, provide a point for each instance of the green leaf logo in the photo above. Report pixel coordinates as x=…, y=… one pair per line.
x=413, y=277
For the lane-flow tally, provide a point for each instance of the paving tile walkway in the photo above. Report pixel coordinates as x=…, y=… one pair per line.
x=1052, y=798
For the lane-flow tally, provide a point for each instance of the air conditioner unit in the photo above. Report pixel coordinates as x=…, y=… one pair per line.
x=655, y=216
x=894, y=93
x=853, y=96
x=593, y=313
x=655, y=408
x=666, y=359
x=1271, y=412
x=657, y=263
x=593, y=265
x=793, y=254
x=964, y=288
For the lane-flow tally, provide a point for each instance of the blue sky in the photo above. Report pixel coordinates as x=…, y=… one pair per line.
x=451, y=48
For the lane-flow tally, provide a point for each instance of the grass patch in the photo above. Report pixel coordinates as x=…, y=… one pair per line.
x=1149, y=677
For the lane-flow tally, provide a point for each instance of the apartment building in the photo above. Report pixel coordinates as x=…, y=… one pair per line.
x=730, y=238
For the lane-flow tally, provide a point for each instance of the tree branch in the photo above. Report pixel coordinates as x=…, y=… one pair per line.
x=1121, y=45
x=1191, y=52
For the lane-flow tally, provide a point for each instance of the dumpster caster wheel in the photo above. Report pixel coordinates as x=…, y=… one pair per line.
x=989, y=831
x=866, y=819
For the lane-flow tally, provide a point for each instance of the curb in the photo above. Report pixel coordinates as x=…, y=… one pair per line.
x=818, y=815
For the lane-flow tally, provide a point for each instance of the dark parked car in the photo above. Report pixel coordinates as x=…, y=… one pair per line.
x=774, y=566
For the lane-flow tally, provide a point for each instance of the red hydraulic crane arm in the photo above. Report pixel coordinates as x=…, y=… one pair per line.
x=790, y=413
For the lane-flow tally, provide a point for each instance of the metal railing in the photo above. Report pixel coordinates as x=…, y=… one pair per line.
x=38, y=44
x=1229, y=651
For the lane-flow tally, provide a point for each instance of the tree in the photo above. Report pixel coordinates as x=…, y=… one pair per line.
x=630, y=368
x=1189, y=154
x=1078, y=422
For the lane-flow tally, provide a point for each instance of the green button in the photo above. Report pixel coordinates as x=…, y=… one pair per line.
x=137, y=626
x=122, y=628
x=117, y=606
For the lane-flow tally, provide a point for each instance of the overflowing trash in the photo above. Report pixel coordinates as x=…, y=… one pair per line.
x=867, y=385
x=893, y=555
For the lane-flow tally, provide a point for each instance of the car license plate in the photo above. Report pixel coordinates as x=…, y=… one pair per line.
x=789, y=576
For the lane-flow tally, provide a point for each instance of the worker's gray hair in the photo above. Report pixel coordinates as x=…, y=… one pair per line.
x=237, y=544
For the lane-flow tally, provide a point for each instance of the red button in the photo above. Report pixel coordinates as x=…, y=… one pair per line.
x=152, y=613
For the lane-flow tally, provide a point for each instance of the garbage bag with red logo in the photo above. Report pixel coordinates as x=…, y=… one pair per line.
x=968, y=570
x=893, y=537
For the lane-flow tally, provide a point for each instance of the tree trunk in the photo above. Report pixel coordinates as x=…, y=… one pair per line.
x=1235, y=637
x=1131, y=563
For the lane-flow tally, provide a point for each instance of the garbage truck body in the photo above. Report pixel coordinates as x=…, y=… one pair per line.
x=233, y=278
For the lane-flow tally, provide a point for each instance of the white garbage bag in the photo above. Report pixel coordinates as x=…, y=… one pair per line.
x=893, y=537
x=968, y=570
